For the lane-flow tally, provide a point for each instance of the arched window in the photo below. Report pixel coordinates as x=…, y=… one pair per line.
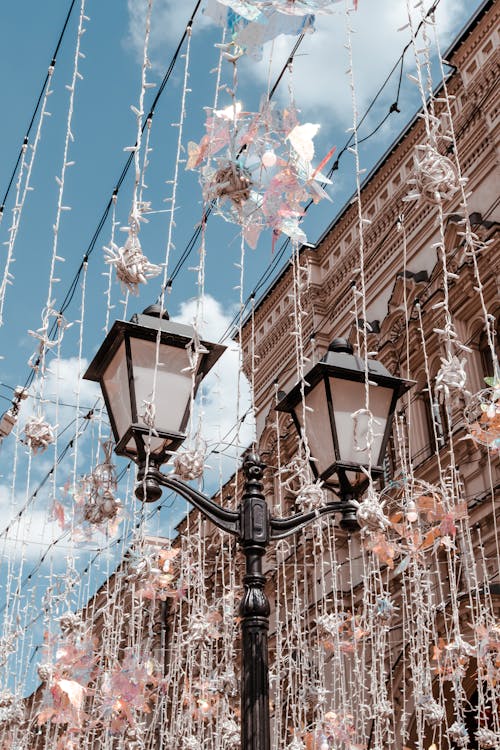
x=485, y=351
x=437, y=418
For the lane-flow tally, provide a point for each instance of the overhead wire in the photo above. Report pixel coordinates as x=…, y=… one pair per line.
x=37, y=106
x=102, y=221
x=394, y=107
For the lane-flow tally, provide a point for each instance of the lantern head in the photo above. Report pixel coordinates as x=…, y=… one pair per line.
x=329, y=411
x=149, y=370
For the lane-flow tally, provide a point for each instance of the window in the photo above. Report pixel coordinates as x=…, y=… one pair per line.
x=485, y=351
x=437, y=421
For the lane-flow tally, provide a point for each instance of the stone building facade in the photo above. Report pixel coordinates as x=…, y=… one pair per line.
x=404, y=294
x=403, y=299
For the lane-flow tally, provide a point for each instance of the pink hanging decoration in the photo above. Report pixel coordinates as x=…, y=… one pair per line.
x=265, y=175
x=38, y=434
x=128, y=688
x=67, y=673
x=482, y=417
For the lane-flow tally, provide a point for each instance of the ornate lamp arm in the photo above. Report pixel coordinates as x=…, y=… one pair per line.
x=228, y=520
x=283, y=527
x=254, y=528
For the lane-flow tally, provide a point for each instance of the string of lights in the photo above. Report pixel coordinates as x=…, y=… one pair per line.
x=25, y=140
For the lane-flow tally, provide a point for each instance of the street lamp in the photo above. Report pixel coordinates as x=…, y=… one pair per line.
x=125, y=366
x=344, y=438
x=150, y=355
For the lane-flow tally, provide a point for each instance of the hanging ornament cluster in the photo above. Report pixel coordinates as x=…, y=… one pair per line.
x=154, y=574
x=131, y=265
x=409, y=519
x=93, y=505
x=38, y=434
x=309, y=494
x=257, y=168
x=11, y=711
x=95, y=498
x=128, y=689
x=482, y=417
x=190, y=464
x=66, y=674
x=370, y=513
x=451, y=378
x=435, y=178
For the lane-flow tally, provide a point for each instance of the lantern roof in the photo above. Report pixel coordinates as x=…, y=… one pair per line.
x=340, y=361
x=145, y=326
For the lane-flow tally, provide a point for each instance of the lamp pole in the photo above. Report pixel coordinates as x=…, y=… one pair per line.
x=152, y=353
x=254, y=528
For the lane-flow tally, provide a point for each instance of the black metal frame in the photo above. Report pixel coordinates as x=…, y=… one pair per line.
x=332, y=366
x=145, y=327
x=254, y=528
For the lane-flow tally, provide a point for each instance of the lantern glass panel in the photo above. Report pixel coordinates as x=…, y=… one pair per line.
x=171, y=392
x=115, y=381
x=349, y=397
x=317, y=427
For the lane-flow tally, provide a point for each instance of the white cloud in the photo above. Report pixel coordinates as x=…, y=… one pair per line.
x=30, y=534
x=319, y=80
x=168, y=22
x=319, y=72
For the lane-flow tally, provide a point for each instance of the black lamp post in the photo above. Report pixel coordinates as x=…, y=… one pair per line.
x=124, y=367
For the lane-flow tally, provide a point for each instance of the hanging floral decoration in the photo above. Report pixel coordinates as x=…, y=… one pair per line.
x=432, y=711
x=451, y=658
x=451, y=378
x=131, y=265
x=458, y=734
x=487, y=738
x=342, y=628
x=190, y=464
x=336, y=730
x=11, y=711
x=92, y=505
x=420, y=516
x=203, y=627
x=370, y=513
x=482, y=417
x=309, y=494
x=128, y=691
x=155, y=575
x=66, y=674
x=38, y=434
x=435, y=176
x=257, y=168
x=201, y=698
x=488, y=653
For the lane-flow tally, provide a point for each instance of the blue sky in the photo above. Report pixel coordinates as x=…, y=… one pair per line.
x=104, y=125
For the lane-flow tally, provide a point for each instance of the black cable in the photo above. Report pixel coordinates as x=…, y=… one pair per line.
x=102, y=221
x=393, y=108
x=49, y=473
x=37, y=106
